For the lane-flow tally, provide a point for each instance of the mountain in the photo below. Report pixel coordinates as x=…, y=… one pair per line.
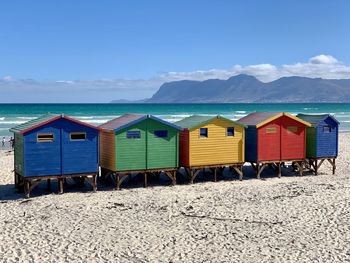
x=245, y=88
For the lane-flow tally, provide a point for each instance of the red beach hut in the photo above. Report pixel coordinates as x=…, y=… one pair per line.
x=274, y=138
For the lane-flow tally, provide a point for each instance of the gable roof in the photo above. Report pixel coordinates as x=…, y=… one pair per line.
x=315, y=119
x=259, y=119
x=130, y=119
x=195, y=121
x=45, y=119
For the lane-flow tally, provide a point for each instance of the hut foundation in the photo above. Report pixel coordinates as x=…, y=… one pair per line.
x=316, y=163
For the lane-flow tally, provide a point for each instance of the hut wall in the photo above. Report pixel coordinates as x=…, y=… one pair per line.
x=78, y=156
x=311, y=142
x=19, y=154
x=43, y=158
x=293, y=139
x=184, y=148
x=161, y=152
x=107, y=150
x=251, y=144
x=269, y=141
x=131, y=152
x=327, y=142
x=217, y=148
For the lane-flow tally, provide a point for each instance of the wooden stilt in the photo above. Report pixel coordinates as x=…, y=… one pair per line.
x=145, y=180
x=316, y=167
x=215, y=177
x=334, y=167
x=60, y=185
x=26, y=188
x=260, y=169
x=279, y=170
x=239, y=170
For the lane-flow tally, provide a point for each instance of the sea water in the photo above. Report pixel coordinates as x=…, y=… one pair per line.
x=96, y=114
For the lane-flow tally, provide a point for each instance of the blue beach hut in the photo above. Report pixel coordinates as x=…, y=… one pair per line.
x=321, y=139
x=55, y=147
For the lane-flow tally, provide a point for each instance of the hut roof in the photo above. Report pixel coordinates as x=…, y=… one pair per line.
x=315, y=119
x=129, y=119
x=259, y=119
x=196, y=121
x=42, y=120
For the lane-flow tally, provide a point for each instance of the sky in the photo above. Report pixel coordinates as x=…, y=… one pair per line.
x=97, y=51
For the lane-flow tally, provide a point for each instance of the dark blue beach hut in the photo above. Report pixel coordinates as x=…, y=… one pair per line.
x=55, y=146
x=321, y=139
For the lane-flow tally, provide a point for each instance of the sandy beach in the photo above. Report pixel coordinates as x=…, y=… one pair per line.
x=288, y=219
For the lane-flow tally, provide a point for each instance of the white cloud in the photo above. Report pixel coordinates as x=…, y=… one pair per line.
x=104, y=90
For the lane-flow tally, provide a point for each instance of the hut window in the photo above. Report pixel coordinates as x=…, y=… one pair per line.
x=45, y=137
x=327, y=129
x=203, y=132
x=230, y=131
x=161, y=134
x=271, y=130
x=292, y=129
x=133, y=134
x=78, y=136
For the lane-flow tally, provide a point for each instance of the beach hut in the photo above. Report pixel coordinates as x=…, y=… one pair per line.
x=211, y=142
x=321, y=139
x=54, y=147
x=135, y=143
x=274, y=138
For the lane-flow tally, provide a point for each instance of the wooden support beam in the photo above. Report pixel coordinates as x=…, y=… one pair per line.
x=48, y=186
x=332, y=162
x=193, y=174
x=145, y=180
x=172, y=176
x=239, y=170
x=93, y=182
x=279, y=170
x=319, y=165
x=60, y=185
x=260, y=169
x=26, y=188
x=215, y=176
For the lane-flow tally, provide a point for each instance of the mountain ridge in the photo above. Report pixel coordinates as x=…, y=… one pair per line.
x=246, y=88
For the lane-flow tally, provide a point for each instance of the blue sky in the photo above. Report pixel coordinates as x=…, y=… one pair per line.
x=148, y=41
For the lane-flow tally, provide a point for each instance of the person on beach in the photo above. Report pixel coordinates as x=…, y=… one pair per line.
x=3, y=142
x=12, y=142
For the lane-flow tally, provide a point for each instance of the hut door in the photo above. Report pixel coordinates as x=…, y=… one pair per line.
x=269, y=141
x=292, y=139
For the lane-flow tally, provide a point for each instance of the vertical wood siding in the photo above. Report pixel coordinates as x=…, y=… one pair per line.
x=327, y=143
x=78, y=156
x=161, y=152
x=131, y=153
x=311, y=142
x=269, y=144
x=292, y=142
x=251, y=144
x=184, y=148
x=43, y=158
x=19, y=154
x=107, y=150
x=218, y=148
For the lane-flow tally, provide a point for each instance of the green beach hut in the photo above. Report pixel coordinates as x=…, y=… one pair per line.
x=138, y=143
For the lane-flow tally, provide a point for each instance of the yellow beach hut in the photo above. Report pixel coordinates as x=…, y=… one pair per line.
x=212, y=142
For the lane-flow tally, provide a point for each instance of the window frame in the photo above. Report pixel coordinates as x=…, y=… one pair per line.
x=161, y=137
x=233, y=131
x=45, y=134
x=200, y=132
x=76, y=133
x=292, y=129
x=133, y=137
x=329, y=129
x=270, y=130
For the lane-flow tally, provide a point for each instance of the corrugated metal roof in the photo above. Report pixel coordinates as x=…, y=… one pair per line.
x=195, y=121
x=255, y=118
x=315, y=119
x=121, y=121
x=129, y=119
x=35, y=122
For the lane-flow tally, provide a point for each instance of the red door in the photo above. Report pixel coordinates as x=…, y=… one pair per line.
x=269, y=141
x=292, y=139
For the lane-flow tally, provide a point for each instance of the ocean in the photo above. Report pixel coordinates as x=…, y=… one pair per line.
x=14, y=114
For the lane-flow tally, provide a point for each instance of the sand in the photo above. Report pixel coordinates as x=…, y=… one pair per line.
x=291, y=219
